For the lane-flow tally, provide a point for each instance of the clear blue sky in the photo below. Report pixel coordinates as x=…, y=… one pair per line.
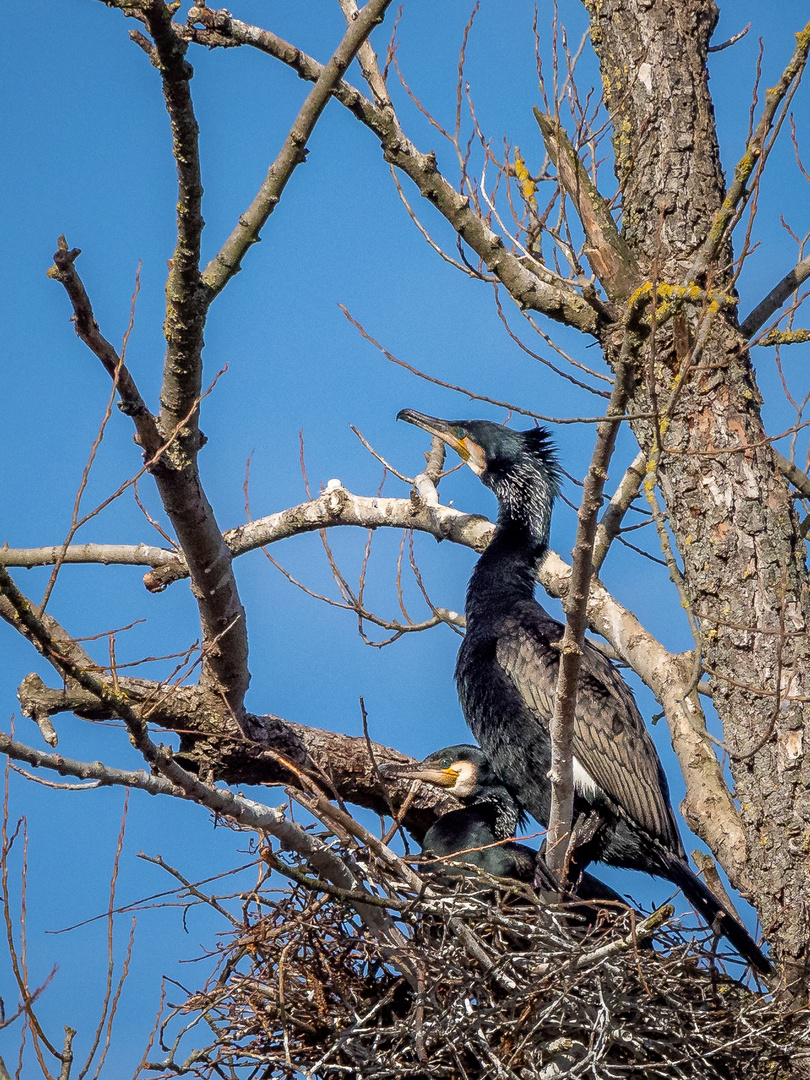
x=86, y=141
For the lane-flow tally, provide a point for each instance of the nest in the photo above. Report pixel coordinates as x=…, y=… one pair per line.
x=500, y=985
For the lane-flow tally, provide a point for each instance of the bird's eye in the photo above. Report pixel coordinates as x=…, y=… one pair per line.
x=460, y=433
x=446, y=762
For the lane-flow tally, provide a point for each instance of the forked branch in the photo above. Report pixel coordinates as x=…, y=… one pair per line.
x=532, y=289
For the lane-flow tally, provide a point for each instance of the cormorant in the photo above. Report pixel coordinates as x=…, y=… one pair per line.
x=479, y=834
x=506, y=676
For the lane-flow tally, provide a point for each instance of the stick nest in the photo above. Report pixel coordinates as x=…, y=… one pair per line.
x=506, y=986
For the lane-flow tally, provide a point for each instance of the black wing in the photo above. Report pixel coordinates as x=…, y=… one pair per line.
x=611, y=743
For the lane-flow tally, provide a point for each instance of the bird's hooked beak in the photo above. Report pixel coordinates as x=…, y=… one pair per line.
x=452, y=433
x=443, y=778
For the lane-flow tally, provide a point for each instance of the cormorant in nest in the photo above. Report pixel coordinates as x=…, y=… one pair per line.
x=481, y=833
x=506, y=675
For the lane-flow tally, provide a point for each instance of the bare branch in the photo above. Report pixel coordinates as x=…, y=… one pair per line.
x=754, y=158
x=775, y=299
x=576, y=605
x=607, y=251
x=610, y=525
x=799, y=479
x=106, y=554
x=87, y=329
x=185, y=306
x=246, y=813
x=536, y=289
x=731, y=41
x=174, y=467
x=228, y=260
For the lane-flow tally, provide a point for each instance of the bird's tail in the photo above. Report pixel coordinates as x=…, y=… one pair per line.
x=716, y=915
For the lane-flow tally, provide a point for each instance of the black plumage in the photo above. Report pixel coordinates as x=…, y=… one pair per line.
x=507, y=674
x=481, y=833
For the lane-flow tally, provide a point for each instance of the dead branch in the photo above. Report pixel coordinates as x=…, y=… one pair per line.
x=607, y=251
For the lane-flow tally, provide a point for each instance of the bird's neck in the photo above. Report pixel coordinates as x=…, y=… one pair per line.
x=504, y=811
x=505, y=573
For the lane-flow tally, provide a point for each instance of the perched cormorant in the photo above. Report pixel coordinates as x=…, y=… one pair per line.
x=506, y=676
x=479, y=834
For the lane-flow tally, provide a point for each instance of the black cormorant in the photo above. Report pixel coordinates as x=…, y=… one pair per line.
x=480, y=833
x=506, y=675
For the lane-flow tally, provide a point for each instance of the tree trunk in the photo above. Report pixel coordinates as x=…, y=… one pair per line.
x=728, y=506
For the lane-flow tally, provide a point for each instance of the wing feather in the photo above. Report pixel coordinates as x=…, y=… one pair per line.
x=611, y=742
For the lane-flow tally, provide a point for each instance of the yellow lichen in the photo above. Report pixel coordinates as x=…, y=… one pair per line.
x=524, y=179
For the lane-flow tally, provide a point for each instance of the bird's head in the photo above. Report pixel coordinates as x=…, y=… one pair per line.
x=519, y=466
x=462, y=770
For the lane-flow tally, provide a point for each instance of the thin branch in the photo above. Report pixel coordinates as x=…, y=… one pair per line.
x=104, y=554
x=368, y=61
x=731, y=41
x=246, y=813
x=537, y=289
x=784, y=337
x=576, y=608
x=610, y=525
x=754, y=158
x=87, y=329
x=799, y=479
x=775, y=299
x=74, y=521
x=228, y=260
x=471, y=393
x=174, y=467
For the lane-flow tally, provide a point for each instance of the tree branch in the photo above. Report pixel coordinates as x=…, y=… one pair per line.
x=753, y=158
x=174, y=467
x=87, y=330
x=228, y=261
x=784, y=337
x=775, y=299
x=530, y=289
x=185, y=304
x=791, y=472
x=610, y=525
x=105, y=554
x=250, y=815
x=576, y=607
x=607, y=250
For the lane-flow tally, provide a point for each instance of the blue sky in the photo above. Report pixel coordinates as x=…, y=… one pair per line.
x=87, y=145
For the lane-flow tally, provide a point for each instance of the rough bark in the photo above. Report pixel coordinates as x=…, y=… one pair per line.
x=728, y=505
